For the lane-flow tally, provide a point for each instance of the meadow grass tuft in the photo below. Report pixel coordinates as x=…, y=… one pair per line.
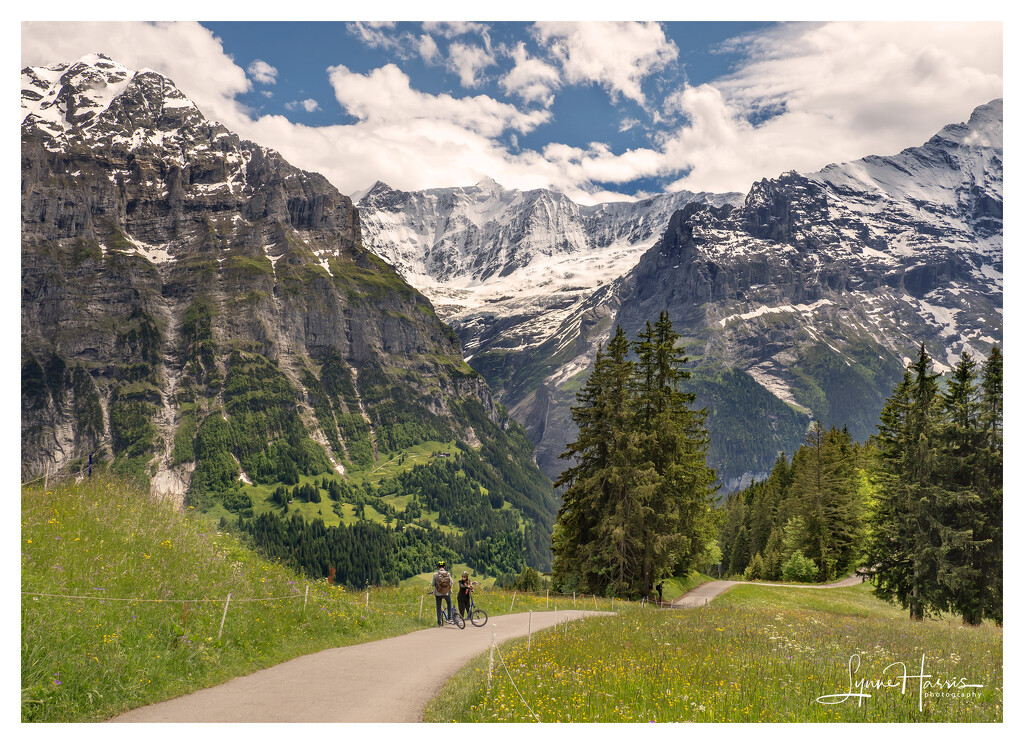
x=123, y=598
x=755, y=654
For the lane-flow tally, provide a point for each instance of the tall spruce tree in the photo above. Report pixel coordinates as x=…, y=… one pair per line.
x=597, y=540
x=989, y=474
x=937, y=527
x=913, y=499
x=963, y=530
x=928, y=499
x=824, y=494
x=637, y=504
x=673, y=444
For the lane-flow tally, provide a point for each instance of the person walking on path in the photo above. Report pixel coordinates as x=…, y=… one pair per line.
x=465, y=587
x=659, y=587
x=441, y=588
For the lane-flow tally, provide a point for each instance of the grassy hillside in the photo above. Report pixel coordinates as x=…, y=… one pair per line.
x=123, y=600
x=756, y=654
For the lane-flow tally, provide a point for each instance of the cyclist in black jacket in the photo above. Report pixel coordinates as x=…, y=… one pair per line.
x=465, y=587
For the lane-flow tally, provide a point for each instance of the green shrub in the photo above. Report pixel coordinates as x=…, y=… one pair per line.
x=756, y=569
x=799, y=568
x=528, y=581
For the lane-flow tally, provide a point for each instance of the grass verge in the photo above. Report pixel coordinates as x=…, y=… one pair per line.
x=757, y=654
x=123, y=600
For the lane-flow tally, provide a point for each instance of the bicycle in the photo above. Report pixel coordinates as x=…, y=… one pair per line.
x=451, y=616
x=477, y=617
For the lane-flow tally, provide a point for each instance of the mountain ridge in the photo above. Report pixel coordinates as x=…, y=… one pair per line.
x=201, y=314
x=915, y=222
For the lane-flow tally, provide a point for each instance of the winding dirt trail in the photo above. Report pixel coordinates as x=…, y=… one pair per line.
x=385, y=681
x=704, y=593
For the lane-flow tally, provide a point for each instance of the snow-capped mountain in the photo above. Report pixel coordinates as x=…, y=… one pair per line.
x=506, y=267
x=804, y=300
x=821, y=287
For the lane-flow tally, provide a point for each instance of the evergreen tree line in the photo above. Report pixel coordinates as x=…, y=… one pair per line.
x=638, y=494
x=919, y=506
x=493, y=539
x=370, y=552
x=806, y=521
x=528, y=580
x=936, y=540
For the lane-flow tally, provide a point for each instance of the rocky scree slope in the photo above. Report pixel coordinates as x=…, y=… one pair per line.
x=198, y=311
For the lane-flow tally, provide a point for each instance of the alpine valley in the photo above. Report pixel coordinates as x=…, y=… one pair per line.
x=802, y=300
x=233, y=331
x=202, y=316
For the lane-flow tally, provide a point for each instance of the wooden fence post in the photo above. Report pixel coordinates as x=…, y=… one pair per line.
x=490, y=664
x=222, y=617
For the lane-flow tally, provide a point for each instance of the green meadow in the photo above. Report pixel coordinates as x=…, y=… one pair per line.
x=755, y=654
x=126, y=602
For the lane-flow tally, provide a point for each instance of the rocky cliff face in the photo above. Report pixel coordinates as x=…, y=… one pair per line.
x=165, y=262
x=820, y=287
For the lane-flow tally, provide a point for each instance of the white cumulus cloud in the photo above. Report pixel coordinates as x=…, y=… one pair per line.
x=385, y=95
x=427, y=49
x=309, y=104
x=262, y=72
x=614, y=54
x=453, y=29
x=530, y=78
x=468, y=61
x=812, y=94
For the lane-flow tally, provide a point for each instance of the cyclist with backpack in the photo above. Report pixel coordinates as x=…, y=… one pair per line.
x=441, y=588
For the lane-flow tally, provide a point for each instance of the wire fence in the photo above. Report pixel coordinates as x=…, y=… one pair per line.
x=399, y=601
x=370, y=600
x=382, y=602
x=167, y=601
x=84, y=471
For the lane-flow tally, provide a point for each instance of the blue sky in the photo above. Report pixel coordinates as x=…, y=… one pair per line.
x=579, y=114
x=601, y=110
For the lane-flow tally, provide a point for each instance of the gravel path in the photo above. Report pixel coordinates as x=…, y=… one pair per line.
x=385, y=681
x=704, y=593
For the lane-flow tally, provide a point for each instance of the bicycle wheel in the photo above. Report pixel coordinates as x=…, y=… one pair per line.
x=457, y=619
x=478, y=618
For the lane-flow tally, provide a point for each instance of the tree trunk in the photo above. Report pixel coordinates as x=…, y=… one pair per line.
x=916, y=606
x=972, y=618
